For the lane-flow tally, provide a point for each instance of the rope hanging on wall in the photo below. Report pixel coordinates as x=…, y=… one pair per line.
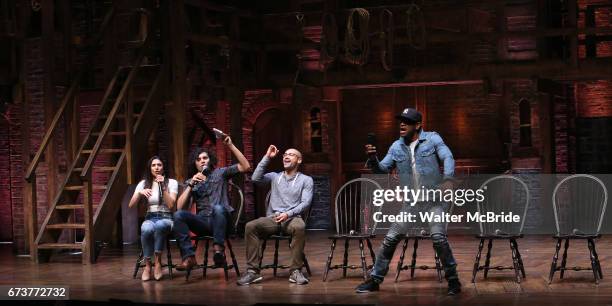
x=299, y=19
x=415, y=27
x=329, y=41
x=386, y=35
x=356, y=40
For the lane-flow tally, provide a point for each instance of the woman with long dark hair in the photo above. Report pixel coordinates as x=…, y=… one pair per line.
x=160, y=194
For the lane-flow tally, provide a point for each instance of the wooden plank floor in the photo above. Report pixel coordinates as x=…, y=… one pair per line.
x=111, y=278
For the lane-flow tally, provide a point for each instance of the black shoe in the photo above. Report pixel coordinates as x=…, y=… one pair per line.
x=454, y=287
x=219, y=259
x=370, y=285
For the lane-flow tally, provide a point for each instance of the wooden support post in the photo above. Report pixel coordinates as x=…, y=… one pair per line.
x=49, y=98
x=572, y=12
x=129, y=130
x=176, y=117
x=89, y=245
x=31, y=218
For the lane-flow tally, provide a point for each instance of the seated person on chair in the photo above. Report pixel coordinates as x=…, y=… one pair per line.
x=157, y=226
x=290, y=197
x=208, y=188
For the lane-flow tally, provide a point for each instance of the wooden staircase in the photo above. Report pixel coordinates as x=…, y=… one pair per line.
x=103, y=165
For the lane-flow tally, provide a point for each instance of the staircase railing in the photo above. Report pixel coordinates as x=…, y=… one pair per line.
x=30, y=206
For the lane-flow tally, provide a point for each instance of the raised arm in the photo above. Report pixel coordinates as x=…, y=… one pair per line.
x=243, y=163
x=379, y=167
x=259, y=176
x=169, y=193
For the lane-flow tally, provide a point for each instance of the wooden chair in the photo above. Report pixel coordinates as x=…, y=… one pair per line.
x=579, y=203
x=352, y=214
x=504, y=193
x=235, y=189
x=277, y=238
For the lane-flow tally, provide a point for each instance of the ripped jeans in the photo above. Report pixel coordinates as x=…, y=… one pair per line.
x=399, y=230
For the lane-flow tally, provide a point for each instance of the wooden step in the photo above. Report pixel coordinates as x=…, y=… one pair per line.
x=120, y=116
x=121, y=133
x=98, y=169
x=79, y=187
x=104, y=151
x=66, y=226
x=57, y=245
x=69, y=206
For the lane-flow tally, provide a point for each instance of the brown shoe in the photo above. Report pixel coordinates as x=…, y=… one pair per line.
x=157, y=269
x=187, y=264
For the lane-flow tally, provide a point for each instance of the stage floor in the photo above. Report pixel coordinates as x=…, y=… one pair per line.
x=111, y=278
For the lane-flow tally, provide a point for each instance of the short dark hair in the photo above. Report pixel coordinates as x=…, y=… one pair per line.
x=194, y=155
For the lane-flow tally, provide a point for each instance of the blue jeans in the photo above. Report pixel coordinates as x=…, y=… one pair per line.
x=154, y=233
x=200, y=224
x=399, y=230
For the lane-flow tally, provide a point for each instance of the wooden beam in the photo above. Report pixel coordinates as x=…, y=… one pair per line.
x=178, y=100
x=588, y=69
x=49, y=94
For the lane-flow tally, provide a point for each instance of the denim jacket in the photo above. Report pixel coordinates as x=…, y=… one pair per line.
x=428, y=152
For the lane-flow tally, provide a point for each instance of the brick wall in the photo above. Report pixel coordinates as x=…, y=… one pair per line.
x=6, y=224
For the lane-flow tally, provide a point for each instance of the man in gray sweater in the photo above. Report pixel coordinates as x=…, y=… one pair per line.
x=290, y=197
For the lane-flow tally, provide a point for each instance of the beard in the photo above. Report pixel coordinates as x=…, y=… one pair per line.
x=409, y=135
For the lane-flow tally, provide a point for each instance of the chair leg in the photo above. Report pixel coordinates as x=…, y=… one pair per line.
x=477, y=260
x=564, y=258
x=372, y=254
x=591, y=246
x=329, y=259
x=515, y=264
x=553, y=265
x=438, y=266
x=169, y=256
x=138, y=262
x=345, y=261
x=276, y=242
x=306, y=265
x=225, y=267
x=488, y=258
x=520, y=259
x=363, y=260
x=234, y=261
x=400, y=263
x=414, y=256
x=205, y=266
x=597, y=261
x=263, y=249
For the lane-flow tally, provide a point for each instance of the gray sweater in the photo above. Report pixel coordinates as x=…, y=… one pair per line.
x=287, y=194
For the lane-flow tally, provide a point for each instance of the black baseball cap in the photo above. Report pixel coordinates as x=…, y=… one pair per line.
x=410, y=115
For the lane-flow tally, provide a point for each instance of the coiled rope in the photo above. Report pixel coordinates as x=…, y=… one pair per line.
x=357, y=45
x=415, y=27
x=329, y=41
x=386, y=35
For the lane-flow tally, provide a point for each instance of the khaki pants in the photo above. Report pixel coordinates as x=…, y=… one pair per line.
x=258, y=229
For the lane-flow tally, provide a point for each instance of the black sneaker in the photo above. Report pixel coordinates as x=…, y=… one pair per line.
x=249, y=278
x=219, y=259
x=370, y=285
x=454, y=287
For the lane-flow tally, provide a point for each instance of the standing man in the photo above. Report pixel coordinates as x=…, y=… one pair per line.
x=207, y=188
x=415, y=155
x=290, y=197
